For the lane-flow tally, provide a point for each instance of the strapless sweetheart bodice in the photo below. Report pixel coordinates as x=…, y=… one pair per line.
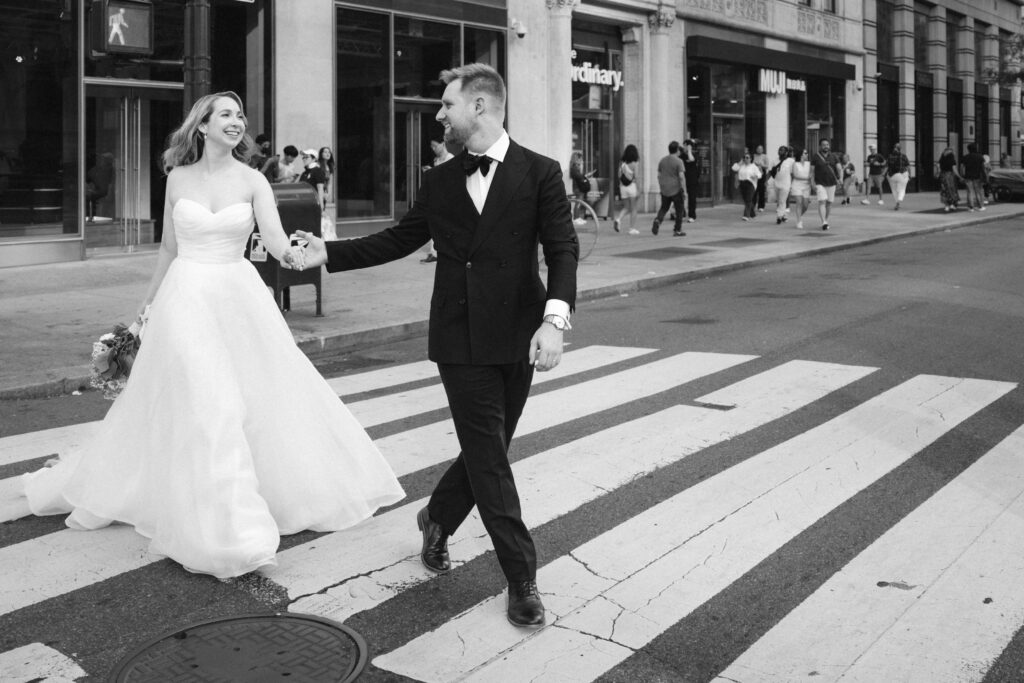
x=212, y=236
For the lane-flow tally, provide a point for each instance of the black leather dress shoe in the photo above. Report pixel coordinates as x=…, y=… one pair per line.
x=435, y=544
x=524, y=605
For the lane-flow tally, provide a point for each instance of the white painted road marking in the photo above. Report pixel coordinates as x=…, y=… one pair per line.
x=936, y=598
x=633, y=582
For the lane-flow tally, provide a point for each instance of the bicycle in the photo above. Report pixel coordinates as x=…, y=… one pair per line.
x=587, y=225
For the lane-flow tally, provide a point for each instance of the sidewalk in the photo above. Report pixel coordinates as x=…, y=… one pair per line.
x=50, y=315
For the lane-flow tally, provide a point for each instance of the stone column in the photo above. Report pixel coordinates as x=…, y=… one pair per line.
x=660, y=118
x=560, y=75
x=990, y=70
x=937, y=67
x=965, y=70
x=633, y=124
x=870, y=78
x=903, y=49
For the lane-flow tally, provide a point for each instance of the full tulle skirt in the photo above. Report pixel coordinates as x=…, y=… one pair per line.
x=225, y=437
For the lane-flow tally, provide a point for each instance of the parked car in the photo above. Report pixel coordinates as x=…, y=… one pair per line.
x=1007, y=183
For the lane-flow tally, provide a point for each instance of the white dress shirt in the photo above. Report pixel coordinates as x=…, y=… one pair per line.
x=478, y=185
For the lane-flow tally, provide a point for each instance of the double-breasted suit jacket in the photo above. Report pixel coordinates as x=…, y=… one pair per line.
x=488, y=297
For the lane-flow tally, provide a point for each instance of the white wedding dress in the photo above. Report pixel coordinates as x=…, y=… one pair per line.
x=225, y=437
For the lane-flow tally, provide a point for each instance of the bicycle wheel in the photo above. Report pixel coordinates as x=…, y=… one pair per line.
x=587, y=226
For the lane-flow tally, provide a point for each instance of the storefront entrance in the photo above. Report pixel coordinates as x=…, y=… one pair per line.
x=415, y=126
x=126, y=128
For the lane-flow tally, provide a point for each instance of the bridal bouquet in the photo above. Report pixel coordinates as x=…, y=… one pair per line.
x=112, y=357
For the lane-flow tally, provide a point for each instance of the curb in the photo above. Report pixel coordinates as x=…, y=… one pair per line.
x=67, y=380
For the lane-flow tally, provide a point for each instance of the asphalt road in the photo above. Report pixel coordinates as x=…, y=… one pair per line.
x=945, y=304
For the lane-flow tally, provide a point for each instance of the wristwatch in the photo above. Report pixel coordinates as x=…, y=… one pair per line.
x=557, y=321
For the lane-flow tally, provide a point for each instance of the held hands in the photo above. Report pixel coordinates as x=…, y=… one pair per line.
x=315, y=252
x=546, y=348
x=294, y=258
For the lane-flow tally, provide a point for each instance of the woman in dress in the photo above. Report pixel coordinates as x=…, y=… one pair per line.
x=628, y=192
x=225, y=436
x=800, y=190
x=849, y=178
x=783, y=175
x=948, y=179
x=761, y=161
x=326, y=160
x=747, y=174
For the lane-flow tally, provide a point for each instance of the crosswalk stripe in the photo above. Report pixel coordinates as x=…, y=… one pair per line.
x=631, y=583
x=368, y=412
x=398, y=405
x=44, y=442
x=937, y=593
x=65, y=545
x=37, y=662
x=20, y=447
x=550, y=484
x=58, y=563
x=416, y=449
x=390, y=376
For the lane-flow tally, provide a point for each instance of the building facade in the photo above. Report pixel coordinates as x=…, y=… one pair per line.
x=93, y=87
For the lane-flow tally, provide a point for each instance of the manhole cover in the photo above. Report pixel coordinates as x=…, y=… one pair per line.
x=250, y=648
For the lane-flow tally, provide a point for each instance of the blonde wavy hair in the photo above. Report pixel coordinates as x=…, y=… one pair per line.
x=185, y=144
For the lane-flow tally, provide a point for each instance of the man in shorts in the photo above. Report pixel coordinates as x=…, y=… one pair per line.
x=826, y=171
x=876, y=174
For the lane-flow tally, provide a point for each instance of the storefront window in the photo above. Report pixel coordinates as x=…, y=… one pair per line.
x=423, y=49
x=38, y=120
x=596, y=98
x=364, y=114
x=698, y=108
x=728, y=87
x=484, y=46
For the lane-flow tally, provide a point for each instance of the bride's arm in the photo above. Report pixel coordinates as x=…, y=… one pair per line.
x=168, y=250
x=268, y=219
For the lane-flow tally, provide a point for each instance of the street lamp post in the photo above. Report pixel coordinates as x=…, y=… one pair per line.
x=197, y=51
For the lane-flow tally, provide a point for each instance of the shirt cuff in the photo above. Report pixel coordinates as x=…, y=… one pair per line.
x=557, y=307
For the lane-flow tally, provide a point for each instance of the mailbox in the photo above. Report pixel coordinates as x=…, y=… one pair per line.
x=299, y=208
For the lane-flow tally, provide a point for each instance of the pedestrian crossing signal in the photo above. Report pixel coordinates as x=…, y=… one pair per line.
x=122, y=27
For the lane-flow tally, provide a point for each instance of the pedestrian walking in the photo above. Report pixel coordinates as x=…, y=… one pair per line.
x=691, y=166
x=672, y=183
x=898, y=168
x=876, y=175
x=747, y=175
x=948, y=179
x=491, y=325
x=972, y=168
x=826, y=172
x=782, y=174
x=800, y=190
x=761, y=161
x=850, y=179
x=628, y=191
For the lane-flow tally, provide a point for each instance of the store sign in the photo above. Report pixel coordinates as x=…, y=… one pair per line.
x=594, y=75
x=777, y=83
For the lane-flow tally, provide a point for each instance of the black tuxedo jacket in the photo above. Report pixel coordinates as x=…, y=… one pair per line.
x=488, y=297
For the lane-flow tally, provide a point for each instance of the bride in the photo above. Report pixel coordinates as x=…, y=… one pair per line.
x=225, y=436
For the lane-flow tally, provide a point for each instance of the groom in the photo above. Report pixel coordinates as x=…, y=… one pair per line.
x=491, y=320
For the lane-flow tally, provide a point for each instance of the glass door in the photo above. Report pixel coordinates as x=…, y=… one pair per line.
x=729, y=144
x=415, y=126
x=126, y=129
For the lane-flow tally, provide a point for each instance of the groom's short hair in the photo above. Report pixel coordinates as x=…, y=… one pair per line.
x=477, y=78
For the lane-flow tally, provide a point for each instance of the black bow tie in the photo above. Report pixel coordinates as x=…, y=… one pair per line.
x=471, y=162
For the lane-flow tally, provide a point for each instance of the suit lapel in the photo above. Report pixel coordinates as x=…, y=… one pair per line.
x=507, y=178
